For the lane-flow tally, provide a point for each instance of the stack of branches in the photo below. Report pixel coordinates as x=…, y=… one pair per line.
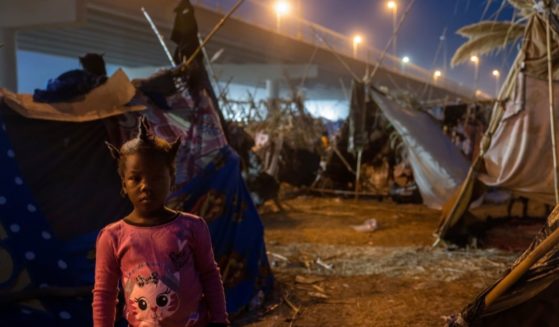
x=298, y=128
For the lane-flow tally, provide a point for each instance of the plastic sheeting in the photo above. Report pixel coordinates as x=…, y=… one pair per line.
x=109, y=99
x=520, y=157
x=438, y=165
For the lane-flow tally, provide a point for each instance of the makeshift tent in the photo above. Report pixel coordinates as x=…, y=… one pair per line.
x=438, y=165
x=516, y=151
x=59, y=186
x=526, y=293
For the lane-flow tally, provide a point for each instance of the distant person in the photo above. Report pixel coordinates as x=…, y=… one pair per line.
x=325, y=140
x=162, y=258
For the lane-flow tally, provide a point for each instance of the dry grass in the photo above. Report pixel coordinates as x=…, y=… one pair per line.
x=390, y=277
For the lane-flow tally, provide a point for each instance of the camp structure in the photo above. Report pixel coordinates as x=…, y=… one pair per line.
x=521, y=135
x=59, y=186
x=438, y=165
x=386, y=125
x=518, y=149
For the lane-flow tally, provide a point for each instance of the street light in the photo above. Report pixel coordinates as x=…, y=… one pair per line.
x=357, y=39
x=392, y=5
x=282, y=8
x=497, y=76
x=404, y=61
x=475, y=60
x=437, y=74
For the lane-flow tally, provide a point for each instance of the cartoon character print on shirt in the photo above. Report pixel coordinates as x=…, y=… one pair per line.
x=153, y=296
x=152, y=299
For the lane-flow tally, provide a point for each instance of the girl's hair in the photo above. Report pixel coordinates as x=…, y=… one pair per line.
x=148, y=144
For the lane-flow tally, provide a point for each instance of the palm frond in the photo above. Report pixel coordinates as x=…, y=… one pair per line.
x=484, y=44
x=477, y=30
x=522, y=5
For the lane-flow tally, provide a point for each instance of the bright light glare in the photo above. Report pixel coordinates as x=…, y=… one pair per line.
x=282, y=8
x=474, y=59
x=357, y=39
x=496, y=73
x=406, y=59
x=437, y=74
x=391, y=5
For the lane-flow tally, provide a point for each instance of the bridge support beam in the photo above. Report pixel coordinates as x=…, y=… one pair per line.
x=8, y=59
x=20, y=14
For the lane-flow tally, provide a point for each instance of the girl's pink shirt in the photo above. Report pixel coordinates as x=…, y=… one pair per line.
x=167, y=272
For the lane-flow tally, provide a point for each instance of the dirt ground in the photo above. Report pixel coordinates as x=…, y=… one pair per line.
x=328, y=274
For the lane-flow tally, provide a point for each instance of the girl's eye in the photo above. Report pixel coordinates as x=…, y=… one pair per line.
x=162, y=300
x=142, y=303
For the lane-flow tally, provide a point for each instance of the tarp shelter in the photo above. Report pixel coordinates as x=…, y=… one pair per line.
x=438, y=165
x=518, y=158
x=516, y=151
x=59, y=186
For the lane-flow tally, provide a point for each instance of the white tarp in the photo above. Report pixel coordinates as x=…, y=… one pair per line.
x=520, y=157
x=438, y=165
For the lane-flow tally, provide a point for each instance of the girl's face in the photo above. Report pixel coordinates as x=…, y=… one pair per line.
x=146, y=181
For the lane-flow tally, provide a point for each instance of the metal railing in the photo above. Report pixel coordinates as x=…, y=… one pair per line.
x=261, y=14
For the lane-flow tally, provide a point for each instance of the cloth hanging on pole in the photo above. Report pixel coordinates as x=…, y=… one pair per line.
x=511, y=161
x=438, y=165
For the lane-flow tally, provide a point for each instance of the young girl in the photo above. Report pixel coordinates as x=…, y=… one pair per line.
x=163, y=258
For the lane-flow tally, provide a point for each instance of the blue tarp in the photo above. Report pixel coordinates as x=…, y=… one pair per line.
x=32, y=258
x=219, y=194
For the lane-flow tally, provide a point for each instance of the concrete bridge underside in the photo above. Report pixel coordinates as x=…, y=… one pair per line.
x=119, y=30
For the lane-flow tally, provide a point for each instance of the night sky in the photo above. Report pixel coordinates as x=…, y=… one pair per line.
x=420, y=33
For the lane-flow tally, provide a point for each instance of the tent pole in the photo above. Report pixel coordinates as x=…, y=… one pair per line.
x=358, y=172
x=517, y=272
x=551, y=104
x=450, y=218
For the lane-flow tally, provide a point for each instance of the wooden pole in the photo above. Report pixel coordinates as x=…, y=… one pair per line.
x=522, y=267
x=551, y=103
x=159, y=36
x=184, y=66
x=358, y=173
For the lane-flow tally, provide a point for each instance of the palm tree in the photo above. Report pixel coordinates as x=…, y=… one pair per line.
x=488, y=36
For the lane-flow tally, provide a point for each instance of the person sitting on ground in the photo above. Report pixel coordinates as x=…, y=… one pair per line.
x=162, y=258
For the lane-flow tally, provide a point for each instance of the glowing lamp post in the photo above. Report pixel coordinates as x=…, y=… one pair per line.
x=357, y=39
x=393, y=6
x=497, y=76
x=475, y=60
x=282, y=8
x=437, y=74
x=403, y=62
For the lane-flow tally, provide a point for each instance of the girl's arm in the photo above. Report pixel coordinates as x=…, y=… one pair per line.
x=209, y=273
x=106, y=280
